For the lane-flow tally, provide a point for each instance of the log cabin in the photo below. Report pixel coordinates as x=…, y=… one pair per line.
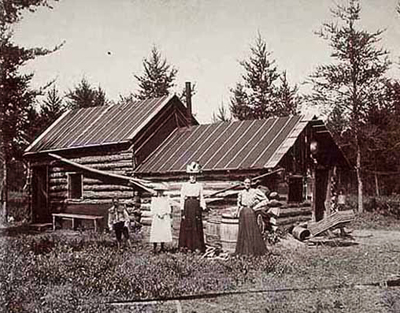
x=295, y=156
x=88, y=156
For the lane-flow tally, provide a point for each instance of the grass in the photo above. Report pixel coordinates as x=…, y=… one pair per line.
x=82, y=272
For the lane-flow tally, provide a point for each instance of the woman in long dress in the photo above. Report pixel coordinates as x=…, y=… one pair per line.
x=191, y=236
x=160, y=207
x=250, y=240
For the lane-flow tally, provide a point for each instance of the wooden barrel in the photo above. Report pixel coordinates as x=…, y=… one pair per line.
x=229, y=231
x=213, y=232
x=300, y=233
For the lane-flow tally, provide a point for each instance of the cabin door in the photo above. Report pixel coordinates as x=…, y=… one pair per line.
x=321, y=181
x=40, y=195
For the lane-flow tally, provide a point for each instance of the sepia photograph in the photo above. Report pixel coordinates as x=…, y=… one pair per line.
x=198, y=156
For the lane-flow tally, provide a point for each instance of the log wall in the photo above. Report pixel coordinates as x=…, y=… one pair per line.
x=95, y=190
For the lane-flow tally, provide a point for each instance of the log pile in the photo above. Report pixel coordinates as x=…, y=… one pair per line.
x=287, y=215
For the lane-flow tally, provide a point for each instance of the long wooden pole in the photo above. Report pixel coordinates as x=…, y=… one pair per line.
x=134, y=181
x=252, y=179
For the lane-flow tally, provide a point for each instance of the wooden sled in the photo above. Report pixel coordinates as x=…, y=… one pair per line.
x=335, y=220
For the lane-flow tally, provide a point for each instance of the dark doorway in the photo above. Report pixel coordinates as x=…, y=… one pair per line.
x=321, y=181
x=40, y=195
x=295, y=189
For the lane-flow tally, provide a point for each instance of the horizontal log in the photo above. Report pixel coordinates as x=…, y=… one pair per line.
x=86, y=181
x=92, y=181
x=209, y=185
x=40, y=163
x=289, y=220
x=103, y=158
x=125, y=166
x=89, y=201
x=59, y=187
x=58, y=181
x=107, y=194
x=58, y=175
x=105, y=187
x=120, y=165
x=220, y=176
x=284, y=212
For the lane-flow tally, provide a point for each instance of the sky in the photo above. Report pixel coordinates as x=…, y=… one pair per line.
x=107, y=40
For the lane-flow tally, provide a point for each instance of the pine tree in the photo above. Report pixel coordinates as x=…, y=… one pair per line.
x=16, y=96
x=158, y=77
x=288, y=98
x=350, y=85
x=84, y=96
x=260, y=94
x=51, y=109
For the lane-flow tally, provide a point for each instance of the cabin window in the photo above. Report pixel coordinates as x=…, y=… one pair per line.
x=75, y=186
x=295, y=189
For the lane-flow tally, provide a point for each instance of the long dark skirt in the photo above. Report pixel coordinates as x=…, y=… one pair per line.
x=250, y=240
x=191, y=235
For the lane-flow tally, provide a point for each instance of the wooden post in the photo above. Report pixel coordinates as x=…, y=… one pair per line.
x=5, y=190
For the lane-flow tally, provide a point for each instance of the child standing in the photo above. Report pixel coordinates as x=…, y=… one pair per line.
x=160, y=231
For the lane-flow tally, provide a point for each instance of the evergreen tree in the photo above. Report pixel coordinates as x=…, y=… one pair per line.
x=51, y=108
x=158, y=77
x=16, y=96
x=288, y=98
x=84, y=96
x=261, y=95
x=350, y=85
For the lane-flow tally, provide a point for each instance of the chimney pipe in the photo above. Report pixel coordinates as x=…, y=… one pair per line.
x=189, y=102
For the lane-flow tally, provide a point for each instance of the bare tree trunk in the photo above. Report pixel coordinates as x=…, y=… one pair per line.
x=5, y=191
x=376, y=181
x=377, y=185
x=359, y=179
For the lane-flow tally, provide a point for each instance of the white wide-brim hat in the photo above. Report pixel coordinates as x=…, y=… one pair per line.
x=193, y=168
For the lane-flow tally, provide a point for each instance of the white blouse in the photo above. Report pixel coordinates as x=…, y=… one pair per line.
x=192, y=190
x=250, y=197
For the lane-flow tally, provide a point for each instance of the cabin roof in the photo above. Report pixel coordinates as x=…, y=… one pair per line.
x=98, y=126
x=239, y=145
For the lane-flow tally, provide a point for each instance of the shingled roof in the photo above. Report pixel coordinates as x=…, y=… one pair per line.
x=98, y=126
x=255, y=144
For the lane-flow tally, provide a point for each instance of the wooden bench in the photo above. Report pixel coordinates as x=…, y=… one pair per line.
x=40, y=226
x=72, y=217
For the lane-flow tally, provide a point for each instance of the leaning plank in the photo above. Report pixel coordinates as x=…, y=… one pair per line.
x=331, y=221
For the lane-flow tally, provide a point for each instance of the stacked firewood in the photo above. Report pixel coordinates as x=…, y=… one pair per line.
x=285, y=215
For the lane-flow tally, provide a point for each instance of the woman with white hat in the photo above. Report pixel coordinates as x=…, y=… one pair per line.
x=191, y=235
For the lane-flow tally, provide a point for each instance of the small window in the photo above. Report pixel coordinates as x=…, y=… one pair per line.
x=75, y=186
